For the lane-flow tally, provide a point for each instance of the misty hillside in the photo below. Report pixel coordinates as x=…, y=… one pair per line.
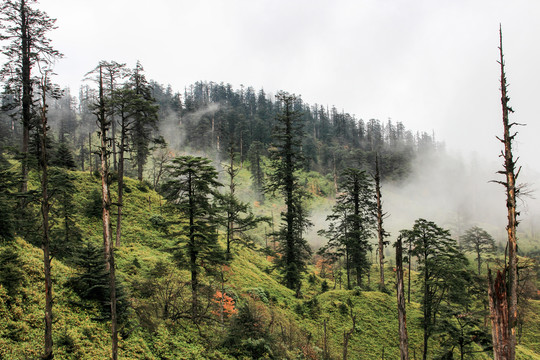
x=206, y=221
x=264, y=319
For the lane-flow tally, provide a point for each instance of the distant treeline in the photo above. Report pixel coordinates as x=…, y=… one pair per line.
x=208, y=117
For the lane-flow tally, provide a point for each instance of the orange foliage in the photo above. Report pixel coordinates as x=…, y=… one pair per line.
x=226, y=303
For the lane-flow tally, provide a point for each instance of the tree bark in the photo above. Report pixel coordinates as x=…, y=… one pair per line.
x=498, y=309
x=122, y=146
x=402, y=316
x=26, y=94
x=105, y=193
x=380, y=215
x=48, y=351
x=511, y=192
x=112, y=286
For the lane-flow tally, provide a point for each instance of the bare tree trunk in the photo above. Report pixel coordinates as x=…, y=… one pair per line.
x=409, y=274
x=112, y=286
x=498, y=309
x=105, y=193
x=26, y=94
x=48, y=351
x=120, y=183
x=511, y=192
x=402, y=316
x=90, y=151
x=380, y=229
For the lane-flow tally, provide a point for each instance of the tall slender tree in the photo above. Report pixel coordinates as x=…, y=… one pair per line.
x=100, y=110
x=190, y=190
x=26, y=29
x=145, y=119
x=512, y=191
x=239, y=217
x=480, y=242
x=286, y=160
x=439, y=263
x=45, y=88
x=353, y=221
x=381, y=233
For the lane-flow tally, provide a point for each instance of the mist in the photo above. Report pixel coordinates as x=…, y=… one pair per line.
x=453, y=191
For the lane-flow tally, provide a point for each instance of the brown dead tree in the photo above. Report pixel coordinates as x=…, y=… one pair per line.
x=509, y=171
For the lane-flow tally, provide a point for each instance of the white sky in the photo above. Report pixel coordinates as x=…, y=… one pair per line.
x=430, y=64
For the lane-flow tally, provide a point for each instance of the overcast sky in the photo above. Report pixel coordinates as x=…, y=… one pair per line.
x=430, y=64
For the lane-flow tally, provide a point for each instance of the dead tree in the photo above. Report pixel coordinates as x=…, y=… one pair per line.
x=498, y=309
x=380, y=215
x=402, y=316
x=512, y=190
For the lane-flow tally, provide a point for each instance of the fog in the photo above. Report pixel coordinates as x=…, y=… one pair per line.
x=453, y=191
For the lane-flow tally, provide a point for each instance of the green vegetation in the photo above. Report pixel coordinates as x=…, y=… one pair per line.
x=266, y=320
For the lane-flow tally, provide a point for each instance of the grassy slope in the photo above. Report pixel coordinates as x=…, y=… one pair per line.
x=77, y=335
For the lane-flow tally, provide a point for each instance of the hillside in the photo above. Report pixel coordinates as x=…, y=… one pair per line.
x=262, y=319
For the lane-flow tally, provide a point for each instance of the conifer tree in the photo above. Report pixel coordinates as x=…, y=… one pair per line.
x=257, y=174
x=480, y=242
x=286, y=160
x=239, y=217
x=46, y=89
x=145, y=119
x=440, y=262
x=63, y=157
x=100, y=110
x=25, y=28
x=190, y=190
x=352, y=222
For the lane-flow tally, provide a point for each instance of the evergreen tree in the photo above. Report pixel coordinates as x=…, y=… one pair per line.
x=441, y=267
x=257, y=173
x=46, y=90
x=63, y=157
x=66, y=233
x=190, y=190
x=286, y=160
x=239, y=217
x=480, y=242
x=145, y=119
x=7, y=227
x=11, y=272
x=100, y=108
x=352, y=222
x=25, y=28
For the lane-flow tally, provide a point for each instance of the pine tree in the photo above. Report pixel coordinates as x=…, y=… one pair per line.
x=100, y=110
x=26, y=29
x=352, y=222
x=190, y=190
x=66, y=233
x=46, y=89
x=479, y=241
x=239, y=217
x=63, y=157
x=440, y=263
x=286, y=160
x=145, y=119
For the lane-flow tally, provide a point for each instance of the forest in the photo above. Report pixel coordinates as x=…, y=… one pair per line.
x=139, y=221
